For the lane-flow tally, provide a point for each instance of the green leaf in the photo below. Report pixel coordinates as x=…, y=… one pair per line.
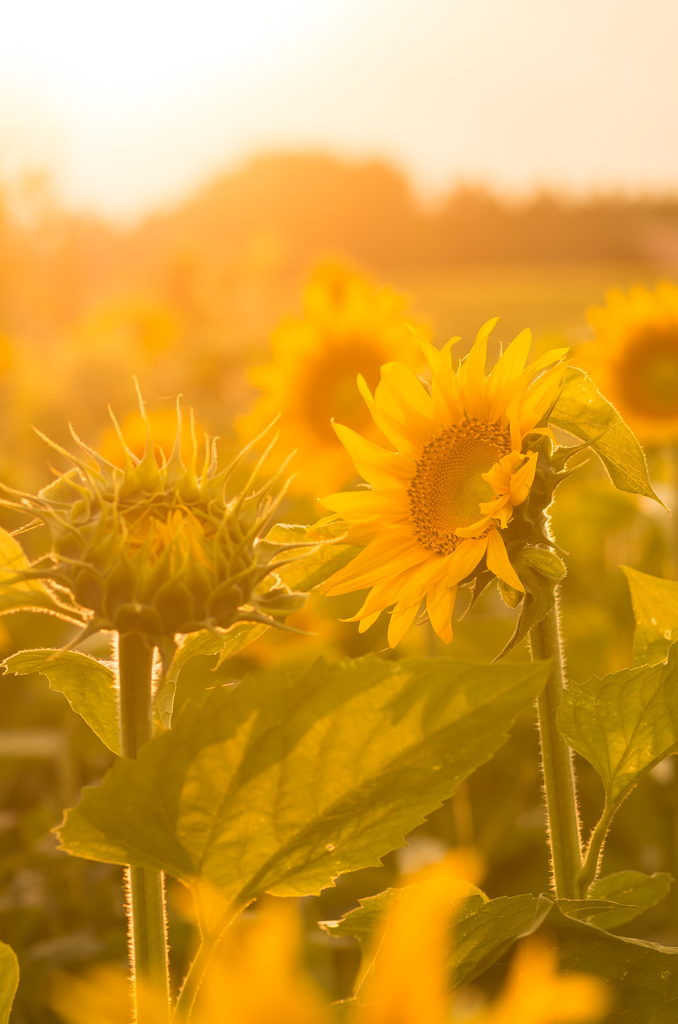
x=655, y=609
x=88, y=685
x=593, y=910
x=584, y=413
x=28, y=595
x=633, y=889
x=642, y=976
x=286, y=780
x=623, y=724
x=483, y=929
x=483, y=932
x=362, y=922
x=539, y=571
x=9, y=980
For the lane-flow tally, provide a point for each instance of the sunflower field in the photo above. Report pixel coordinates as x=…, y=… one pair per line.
x=338, y=624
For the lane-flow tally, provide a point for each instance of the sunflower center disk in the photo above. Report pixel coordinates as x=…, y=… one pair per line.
x=447, y=487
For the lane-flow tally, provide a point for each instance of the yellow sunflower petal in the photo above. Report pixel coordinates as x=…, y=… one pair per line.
x=401, y=620
x=498, y=562
x=502, y=381
x=391, y=428
x=367, y=622
x=471, y=376
x=367, y=504
x=465, y=559
x=401, y=395
x=376, y=465
x=381, y=560
x=440, y=605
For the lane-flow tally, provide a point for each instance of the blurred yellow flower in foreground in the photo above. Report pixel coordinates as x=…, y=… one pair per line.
x=256, y=977
x=634, y=358
x=6, y=355
x=437, y=505
x=350, y=326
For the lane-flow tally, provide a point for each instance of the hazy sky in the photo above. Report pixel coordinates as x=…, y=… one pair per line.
x=133, y=103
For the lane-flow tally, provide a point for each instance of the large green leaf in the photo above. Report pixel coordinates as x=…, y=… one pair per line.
x=655, y=609
x=625, y=723
x=29, y=595
x=88, y=685
x=9, y=980
x=307, y=570
x=483, y=929
x=283, y=782
x=583, y=412
x=642, y=976
x=638, y=891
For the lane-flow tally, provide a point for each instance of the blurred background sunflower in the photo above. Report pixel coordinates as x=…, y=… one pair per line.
x=634, y=358
x=351, y=325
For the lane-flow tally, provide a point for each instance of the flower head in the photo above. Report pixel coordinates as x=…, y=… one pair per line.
x=157, y=546
x=440, y=505
x=350, y=326
x=634, y=358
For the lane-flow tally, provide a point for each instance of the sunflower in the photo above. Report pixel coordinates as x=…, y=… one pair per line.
x=350, y=325
x=437, y=505
x=634, y=358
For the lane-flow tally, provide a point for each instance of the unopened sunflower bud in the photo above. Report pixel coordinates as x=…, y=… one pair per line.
x=157, y=547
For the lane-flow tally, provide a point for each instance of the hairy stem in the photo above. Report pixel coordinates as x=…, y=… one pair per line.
x=559, y=783
x=145, y=886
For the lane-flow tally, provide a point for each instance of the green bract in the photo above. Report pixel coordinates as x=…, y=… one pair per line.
x=158, y=547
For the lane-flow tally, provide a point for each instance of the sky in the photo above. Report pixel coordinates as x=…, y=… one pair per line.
x=131, y=105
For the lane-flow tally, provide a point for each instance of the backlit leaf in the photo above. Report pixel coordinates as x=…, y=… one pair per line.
x=286, y=780
x=643, y=976
x=632, y=888
x=29, y=595
x=655, y=609
x=483, y=929
x=593, y=910
x=625, y=723
x=88, y=685
x=584, y=413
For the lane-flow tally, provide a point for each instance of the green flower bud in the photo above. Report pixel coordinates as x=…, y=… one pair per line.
x=157, y=547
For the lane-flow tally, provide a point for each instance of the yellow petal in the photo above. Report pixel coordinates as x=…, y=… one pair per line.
x=381, y=560
x=368, y=621
x=498, y=562
x=465, y=559
x=471, y=376
x=402, y=618
x=376, y=465
x=367, y=504
x=501, y=383
x=398, y=433
x=440, y=606
x=475, y=528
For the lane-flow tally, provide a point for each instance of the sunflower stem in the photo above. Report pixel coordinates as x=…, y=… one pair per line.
x=146, y=913
x=559, y=782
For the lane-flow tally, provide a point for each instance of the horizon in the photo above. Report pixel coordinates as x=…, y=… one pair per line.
x=130, y=112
